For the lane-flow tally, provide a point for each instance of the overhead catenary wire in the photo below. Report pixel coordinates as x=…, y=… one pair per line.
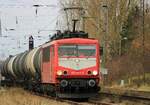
x=27, y=6
x=53, y=20
x=45, y=26
x=35, y=20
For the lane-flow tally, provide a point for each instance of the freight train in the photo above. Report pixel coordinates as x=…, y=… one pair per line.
x=66, y=67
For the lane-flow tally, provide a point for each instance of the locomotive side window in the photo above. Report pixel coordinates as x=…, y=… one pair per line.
x=46, y=54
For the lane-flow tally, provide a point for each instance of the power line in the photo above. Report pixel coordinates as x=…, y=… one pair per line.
x=53, y=20
x=27, y=6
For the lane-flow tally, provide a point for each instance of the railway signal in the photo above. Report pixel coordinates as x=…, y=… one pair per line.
x=31, y=42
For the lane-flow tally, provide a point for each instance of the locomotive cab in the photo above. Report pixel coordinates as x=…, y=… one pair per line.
x=77, y=70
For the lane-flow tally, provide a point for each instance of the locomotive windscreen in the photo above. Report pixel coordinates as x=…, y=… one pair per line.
x=77, y=50
x=76, y=56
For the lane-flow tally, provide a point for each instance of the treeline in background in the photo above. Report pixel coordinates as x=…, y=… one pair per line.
x=123, y=29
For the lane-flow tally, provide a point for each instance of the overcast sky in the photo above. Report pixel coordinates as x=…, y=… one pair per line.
x=21, y=16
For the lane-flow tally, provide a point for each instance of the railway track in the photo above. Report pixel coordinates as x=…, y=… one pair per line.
x=127, y=93
x=102, y=99
x=114, y=99
x=124, y=96
x=74, y=102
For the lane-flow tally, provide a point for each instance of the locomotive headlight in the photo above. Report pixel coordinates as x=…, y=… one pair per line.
x=59, y=72
x=95, y=72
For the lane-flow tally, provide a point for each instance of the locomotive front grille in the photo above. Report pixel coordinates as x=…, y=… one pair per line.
x=77, y=83
x=78, y=86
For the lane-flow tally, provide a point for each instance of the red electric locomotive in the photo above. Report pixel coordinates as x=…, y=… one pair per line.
x=72, y=66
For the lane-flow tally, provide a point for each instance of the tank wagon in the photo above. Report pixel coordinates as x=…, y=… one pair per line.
x=67, y=67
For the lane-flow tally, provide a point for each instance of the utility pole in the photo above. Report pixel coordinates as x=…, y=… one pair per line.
x=0, y=73
x=0, y=78
x=0, y=26
x=142, y=5
x=105, y=37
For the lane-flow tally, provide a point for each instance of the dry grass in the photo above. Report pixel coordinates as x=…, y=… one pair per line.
x=144, y=88
x=17, y=96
